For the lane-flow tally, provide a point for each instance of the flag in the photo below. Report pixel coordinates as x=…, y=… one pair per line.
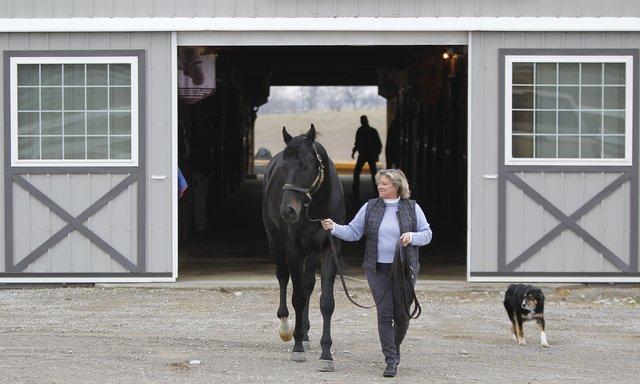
x=182, y=184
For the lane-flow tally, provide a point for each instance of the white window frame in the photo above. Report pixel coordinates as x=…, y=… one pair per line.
x=626, y=59
x=13, y=76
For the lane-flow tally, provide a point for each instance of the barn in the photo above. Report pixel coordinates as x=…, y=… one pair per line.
x=515, y=121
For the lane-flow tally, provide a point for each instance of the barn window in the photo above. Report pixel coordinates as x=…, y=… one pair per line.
x=70, y=111
x=568, y=109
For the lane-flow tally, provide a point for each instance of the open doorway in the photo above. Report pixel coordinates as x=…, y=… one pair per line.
x=423, y=125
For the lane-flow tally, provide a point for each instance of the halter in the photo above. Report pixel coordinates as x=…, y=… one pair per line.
x=315, y=185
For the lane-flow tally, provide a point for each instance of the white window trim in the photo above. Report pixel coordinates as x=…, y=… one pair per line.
x=15, y=60
x=628, y=60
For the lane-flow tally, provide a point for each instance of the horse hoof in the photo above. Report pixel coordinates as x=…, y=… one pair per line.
x=327, y=366
x=306, y=344
x=285, y=330
x=298, y=357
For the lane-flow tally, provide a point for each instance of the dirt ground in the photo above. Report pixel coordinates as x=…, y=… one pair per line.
x=228, y=335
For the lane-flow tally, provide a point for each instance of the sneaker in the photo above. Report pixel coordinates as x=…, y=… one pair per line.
x=391, y=370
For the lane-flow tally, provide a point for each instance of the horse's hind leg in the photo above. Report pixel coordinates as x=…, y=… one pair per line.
x=327, y=305
x=310, y=267
x=298, y=299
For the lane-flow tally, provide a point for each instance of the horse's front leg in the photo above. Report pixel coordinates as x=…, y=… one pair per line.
x=327, y=305
x=282, y=272
x=298, y=299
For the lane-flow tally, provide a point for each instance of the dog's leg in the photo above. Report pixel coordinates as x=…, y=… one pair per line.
x=543, y=336
x=513, y=332
x=519, y=331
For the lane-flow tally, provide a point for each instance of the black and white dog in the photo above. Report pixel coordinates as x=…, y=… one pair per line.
x=524, y=303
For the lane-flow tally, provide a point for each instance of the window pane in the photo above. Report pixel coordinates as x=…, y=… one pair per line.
x=522, y=73
x=74, y=123
x=591, y=147
x=613, y=147
x=591, y=122
x=97, y=98
x=591, y=97
x=120, y=147
x=74, y=98
x=28, y=99
x=613, y=122
x=28, y=74
x=568, y=147
x=569, y=73
x=568, y=97
x=120, y=98
x=545, y=146
x=546, y=73
x=28, y=148
x=614, y=98
x=545, y=97
x=614, y=73
x=74, y=74
x=97, y=123
x=51, y=99
x=522, y=97
x=51, y=74
x=120, y=123
x=98, y=147
x=522, y=146
x=51, y=123
x=522, y=122
x=545, y=122
x=120, y=74
x=28, y=123
x=591, y=73
x=74, y=147
x=96, y=74
x=568, y=122
x=52, y=147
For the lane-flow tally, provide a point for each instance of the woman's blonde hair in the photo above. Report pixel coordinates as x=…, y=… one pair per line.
x=398, y=179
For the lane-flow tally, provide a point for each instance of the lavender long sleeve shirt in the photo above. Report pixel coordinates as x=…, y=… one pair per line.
x=389, y=232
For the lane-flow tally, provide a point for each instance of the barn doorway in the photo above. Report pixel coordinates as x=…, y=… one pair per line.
x=424, y=93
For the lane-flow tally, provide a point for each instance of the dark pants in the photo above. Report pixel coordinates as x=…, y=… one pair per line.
x=358, y=169
x=393, y=320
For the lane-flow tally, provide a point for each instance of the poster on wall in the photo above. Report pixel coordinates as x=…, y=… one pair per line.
x=196, y=75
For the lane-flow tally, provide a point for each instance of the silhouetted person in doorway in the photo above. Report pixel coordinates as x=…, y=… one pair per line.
x=368, y=146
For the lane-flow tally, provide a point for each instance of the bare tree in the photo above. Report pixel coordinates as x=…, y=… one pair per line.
x=352, y=95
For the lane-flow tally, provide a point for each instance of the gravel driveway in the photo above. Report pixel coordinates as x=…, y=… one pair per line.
x=142, y=335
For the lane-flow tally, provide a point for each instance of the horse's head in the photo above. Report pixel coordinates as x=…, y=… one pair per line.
x=303, y=173
x=190, y=64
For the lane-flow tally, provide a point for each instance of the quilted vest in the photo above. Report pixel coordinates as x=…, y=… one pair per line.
x=373, y=218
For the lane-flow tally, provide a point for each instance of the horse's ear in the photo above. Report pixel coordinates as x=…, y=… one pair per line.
x=311, y=135
x=287, y=137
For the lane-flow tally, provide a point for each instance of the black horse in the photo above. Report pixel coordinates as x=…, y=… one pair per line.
x=301, y=184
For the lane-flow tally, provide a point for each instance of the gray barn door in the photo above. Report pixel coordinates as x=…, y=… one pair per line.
x=568, y=221
x=76, y=223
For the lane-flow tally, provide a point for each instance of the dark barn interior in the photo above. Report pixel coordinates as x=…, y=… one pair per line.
x=426, y=92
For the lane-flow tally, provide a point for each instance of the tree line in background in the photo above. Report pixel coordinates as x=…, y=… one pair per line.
x=304, y=99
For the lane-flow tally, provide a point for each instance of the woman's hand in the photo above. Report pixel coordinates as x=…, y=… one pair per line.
x=405, y=239
x=327, y=224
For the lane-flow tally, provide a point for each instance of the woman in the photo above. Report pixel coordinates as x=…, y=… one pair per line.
x=390, y=218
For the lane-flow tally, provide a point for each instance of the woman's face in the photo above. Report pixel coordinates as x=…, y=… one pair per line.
x=386, y=189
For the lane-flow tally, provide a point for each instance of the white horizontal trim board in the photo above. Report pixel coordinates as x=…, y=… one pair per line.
x=552, y=279
x=185, y=24
x=61, y=280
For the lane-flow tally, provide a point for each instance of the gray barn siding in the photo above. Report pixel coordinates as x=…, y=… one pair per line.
x=608, y=222
x=116, y=223
x=317, y=8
